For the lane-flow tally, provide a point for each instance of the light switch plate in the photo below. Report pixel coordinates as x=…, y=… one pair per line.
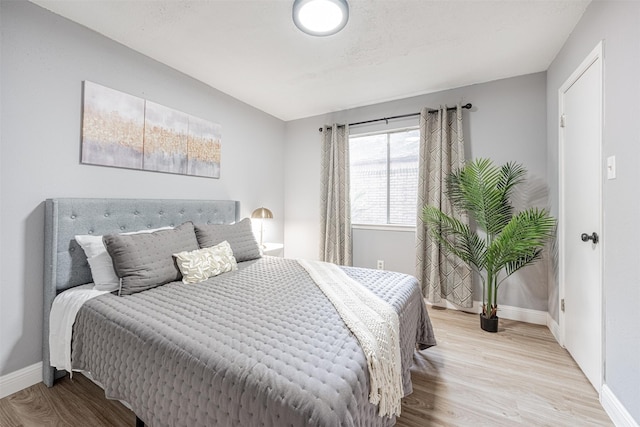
x=611, y=167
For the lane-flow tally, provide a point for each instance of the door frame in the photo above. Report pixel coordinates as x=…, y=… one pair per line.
x=596, y=54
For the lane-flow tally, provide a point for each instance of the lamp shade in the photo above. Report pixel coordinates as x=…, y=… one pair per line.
x=262, y=213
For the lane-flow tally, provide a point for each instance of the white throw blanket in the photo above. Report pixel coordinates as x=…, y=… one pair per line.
x=375, y=324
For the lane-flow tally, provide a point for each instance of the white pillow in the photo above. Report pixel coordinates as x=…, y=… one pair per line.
x=197, y=266
x=100, y=262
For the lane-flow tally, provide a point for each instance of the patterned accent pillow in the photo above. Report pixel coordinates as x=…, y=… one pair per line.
x=144, y=261
x=239, y=235
x=197, y=266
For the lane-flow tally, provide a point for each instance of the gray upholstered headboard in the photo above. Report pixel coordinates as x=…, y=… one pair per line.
x=66, y=265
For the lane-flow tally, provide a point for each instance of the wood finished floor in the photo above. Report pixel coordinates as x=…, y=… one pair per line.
x=519, y=376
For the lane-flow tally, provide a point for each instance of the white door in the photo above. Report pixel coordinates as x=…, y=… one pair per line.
x=581, y=216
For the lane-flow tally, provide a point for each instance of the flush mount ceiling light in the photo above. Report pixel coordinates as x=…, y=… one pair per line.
x=320, y=17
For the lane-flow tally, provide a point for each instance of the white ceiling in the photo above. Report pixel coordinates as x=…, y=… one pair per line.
x=390, y=49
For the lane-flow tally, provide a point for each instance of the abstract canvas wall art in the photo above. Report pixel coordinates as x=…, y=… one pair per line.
x=165, y=139
x=112, y=128
x=203, y=148
x=125, y=131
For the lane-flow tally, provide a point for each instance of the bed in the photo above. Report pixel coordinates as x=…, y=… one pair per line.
x=260, y=345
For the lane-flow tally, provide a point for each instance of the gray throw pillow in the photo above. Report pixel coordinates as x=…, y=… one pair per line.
x=144, y=261
x=239, y=235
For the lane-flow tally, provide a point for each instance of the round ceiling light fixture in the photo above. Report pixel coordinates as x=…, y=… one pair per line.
x=320, y=17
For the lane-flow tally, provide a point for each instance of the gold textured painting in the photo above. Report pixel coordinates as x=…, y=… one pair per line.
x=125, y=131
x=203, y=148
x=165, y=139
x=112, y=128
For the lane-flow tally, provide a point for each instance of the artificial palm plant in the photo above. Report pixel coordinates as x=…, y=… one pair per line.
x=504, y=240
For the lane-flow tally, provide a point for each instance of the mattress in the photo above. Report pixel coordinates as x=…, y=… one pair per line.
x=260, y=346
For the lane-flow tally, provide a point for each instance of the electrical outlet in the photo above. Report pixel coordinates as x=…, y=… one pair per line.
x=380, y=264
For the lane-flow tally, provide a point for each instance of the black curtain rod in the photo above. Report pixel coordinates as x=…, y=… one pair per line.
x=402, y=116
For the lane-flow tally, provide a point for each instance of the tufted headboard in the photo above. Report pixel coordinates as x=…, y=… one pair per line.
x=66, y=265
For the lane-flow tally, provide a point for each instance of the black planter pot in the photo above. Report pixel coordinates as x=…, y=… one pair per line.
x=489, y=324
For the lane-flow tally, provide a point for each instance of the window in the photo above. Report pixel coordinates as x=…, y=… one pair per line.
x=384, y=177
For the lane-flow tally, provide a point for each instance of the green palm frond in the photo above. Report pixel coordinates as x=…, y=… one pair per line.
x=484, y=190
x=521, y=237
x=455, y=237
x=511, y=175
x=523, y=261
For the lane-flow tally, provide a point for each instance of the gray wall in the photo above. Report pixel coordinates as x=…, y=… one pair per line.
x=45, y=58
x=507, y=123
x=369, y=246
x=618, y=24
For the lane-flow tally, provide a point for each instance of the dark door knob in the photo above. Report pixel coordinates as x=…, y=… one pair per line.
x=593, y=236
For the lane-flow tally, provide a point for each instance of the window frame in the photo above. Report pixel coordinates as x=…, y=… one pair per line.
x=388, y=226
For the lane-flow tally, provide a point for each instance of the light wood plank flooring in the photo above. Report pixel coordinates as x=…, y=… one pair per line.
x=519, y=376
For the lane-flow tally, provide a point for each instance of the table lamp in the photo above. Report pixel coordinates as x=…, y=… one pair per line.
x=261, y=214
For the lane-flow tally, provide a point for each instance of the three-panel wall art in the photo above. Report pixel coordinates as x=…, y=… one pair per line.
x=125, y=131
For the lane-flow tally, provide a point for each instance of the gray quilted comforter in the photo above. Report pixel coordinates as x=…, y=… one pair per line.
x=261, y=346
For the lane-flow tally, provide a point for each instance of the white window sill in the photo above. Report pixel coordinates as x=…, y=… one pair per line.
x=385, y=227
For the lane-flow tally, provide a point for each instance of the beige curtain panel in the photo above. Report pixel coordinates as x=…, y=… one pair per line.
x=335, y=210
x=441, y=275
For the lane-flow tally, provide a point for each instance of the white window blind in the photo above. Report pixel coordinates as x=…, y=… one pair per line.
x=384, y=177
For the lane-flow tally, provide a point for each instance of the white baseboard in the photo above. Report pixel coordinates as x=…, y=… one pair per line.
x=20, y=379
x=615, y=409
x=504, y=311
x=477, y=307
x=527, y=315
x=554, y=328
